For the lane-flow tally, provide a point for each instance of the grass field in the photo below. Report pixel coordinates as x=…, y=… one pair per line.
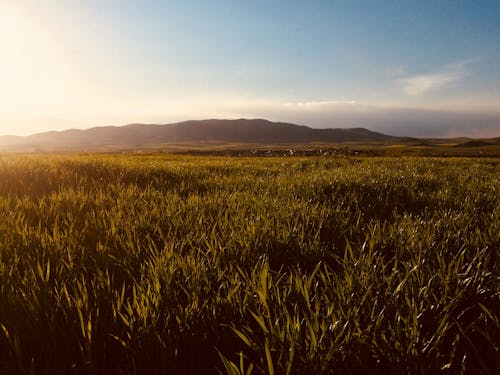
x=282, y=265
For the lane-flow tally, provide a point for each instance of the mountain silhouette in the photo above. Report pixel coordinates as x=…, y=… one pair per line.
x=241, y=131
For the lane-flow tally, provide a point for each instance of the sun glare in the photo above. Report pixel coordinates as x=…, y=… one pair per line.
x=33, y=71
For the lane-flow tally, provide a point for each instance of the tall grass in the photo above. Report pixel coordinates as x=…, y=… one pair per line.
x=168, y=264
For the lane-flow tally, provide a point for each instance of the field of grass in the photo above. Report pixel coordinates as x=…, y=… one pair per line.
x=181, y=264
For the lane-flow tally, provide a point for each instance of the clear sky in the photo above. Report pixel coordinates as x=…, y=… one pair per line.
x=428, y=68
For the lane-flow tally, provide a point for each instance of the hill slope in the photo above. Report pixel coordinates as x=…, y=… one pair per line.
x=188, y=132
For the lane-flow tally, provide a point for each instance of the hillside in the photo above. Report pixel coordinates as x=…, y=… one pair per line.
x=475, y=144
x=188, y=132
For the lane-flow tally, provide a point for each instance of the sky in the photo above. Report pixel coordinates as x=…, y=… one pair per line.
x=403, y=67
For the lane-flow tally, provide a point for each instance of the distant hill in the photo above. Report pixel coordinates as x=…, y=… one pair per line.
x=474, y=144
x=240, y=131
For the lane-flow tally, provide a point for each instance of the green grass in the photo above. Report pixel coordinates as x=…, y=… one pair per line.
x=179, y=264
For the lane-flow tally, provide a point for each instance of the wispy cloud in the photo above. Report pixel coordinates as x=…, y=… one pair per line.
x=315, y=104
x=395, y=71
x=421, y=84
x=428, y=82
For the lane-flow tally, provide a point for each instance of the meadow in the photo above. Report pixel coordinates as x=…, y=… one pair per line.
x=136, y=264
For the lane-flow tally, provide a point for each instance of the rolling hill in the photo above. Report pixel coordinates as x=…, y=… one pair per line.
x=240, y=131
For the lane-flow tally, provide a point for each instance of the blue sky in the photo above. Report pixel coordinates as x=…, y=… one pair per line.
x=426, y=68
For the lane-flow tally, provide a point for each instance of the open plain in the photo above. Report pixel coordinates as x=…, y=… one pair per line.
x=189, y=264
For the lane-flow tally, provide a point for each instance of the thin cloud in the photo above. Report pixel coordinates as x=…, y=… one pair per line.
x=319, y=104
x=395, y=71
x=421, y=84
x=428, y=82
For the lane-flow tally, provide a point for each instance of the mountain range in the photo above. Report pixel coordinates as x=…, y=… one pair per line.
x=192, y=133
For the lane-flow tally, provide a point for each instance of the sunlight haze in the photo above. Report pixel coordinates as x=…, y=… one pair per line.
x=420, y=68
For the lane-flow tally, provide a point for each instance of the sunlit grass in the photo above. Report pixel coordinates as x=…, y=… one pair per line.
x=158, y=264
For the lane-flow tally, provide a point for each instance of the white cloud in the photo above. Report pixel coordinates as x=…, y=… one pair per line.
x=319, y=104
x=428, y=82
x=421, y=84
